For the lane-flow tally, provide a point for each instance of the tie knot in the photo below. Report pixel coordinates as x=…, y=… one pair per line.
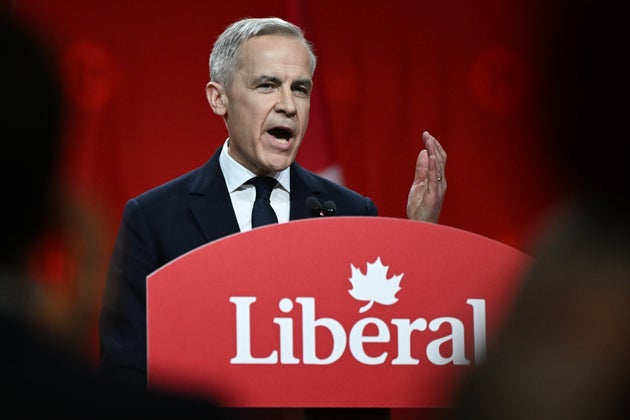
x=264, y=185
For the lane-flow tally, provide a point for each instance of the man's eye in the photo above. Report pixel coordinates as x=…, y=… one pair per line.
x=265, y=86
x=302, y=90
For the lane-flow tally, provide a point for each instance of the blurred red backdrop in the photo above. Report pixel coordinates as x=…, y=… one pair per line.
x=468, y=72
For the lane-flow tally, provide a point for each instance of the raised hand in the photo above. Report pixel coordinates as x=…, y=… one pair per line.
x=429, y=184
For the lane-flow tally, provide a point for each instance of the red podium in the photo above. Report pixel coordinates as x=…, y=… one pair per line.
x=330, y=312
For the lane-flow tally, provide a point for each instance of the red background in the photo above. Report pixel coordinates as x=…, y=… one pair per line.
x=468, y=72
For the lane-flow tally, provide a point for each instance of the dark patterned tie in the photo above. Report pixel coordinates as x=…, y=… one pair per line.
x=263, y=213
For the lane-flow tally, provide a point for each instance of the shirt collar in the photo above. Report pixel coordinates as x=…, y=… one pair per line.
x=236, y=174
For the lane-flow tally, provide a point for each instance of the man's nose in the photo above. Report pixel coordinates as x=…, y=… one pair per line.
x=286, y=102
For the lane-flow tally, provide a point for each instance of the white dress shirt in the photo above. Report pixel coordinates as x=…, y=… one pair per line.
x=243, y=195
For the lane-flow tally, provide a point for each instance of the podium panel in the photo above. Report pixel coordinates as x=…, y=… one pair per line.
x=330, y=312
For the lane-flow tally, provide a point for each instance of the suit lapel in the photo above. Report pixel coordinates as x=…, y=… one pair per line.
x=303, y=185
x=210, y=201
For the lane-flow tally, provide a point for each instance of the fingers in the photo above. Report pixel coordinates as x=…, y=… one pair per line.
x=434, y=147
x=437, y=159
x=422, y=166
x=434, y=173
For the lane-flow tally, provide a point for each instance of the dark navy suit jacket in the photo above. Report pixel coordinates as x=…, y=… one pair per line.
x=168, y=221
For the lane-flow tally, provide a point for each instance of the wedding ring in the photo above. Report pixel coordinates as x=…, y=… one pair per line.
x=439, y=178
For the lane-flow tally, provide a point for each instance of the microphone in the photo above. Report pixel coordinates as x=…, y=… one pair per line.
x=330, y=208
x=314, y=206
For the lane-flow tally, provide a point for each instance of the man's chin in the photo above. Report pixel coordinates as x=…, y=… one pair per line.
x=278, y=163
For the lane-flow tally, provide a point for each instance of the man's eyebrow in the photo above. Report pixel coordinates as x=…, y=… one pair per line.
x=267, y=79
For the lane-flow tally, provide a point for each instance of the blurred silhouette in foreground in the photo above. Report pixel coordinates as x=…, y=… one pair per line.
x=564, y=351
x=42, y=375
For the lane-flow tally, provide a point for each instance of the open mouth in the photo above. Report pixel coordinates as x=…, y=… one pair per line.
x=281, y=133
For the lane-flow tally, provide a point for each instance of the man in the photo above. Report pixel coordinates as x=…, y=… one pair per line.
x=261, y=73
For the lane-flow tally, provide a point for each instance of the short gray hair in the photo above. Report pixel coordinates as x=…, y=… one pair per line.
x=225, y=52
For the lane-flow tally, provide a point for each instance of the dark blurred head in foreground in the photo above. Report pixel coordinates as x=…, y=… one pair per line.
x=43, y=378
x=31, y=121
x=563, y=353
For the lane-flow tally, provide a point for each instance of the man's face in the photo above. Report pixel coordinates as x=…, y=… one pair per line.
x=268, y=104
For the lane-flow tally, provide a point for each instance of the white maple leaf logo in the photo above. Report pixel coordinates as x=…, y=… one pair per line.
x=374, y=286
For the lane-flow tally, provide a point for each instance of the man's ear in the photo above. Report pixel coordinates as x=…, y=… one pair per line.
x=217, y=98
